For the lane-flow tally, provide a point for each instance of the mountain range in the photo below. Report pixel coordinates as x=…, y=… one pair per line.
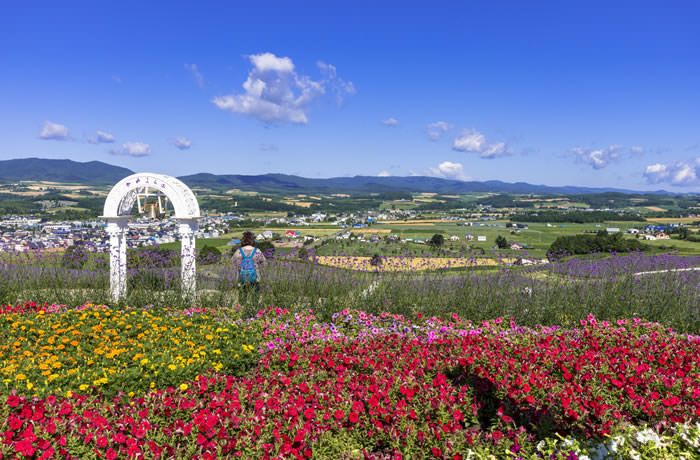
x=99, y=173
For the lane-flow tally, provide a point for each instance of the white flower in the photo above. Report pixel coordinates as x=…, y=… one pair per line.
x=647, y=435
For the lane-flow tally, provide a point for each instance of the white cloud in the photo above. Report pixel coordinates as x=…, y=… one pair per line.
x=496, y=150
x=384, y=174
x=54, y=131
x=274, y=92
x=196, y=74
x=337, y=85
x=449, y=170
x=637, y=149
x=390, y=122
x=678, y=173
x=101, y=137
x=268, y=61
x=436, y=130
x=471, y=140
x=134, y=149
x=182, y=143
x=598, y=158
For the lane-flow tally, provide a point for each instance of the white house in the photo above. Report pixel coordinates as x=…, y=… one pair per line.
x=481, y=238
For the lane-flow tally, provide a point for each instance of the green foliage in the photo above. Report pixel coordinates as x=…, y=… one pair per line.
x=501, y=242
x=437, y=240
x=601, y=242
x=579, y=217
x=208, y=255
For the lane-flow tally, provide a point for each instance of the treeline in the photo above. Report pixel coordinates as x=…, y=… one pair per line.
x=601, y=242
x=578, y=217
x=247, y=203
x=503, y=201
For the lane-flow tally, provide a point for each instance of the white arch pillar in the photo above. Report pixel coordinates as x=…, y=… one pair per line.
x=117, y=229
x=187, y=229
x=117, y=210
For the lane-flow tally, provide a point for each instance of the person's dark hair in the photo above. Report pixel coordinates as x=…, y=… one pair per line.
x=248, y=239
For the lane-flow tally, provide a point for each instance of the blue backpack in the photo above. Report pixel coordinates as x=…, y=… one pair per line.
x=247, y=273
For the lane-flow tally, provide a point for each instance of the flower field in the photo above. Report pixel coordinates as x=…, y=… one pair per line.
x=581, y=358
x=361, y=385
x=405, y=263
x=54, y=349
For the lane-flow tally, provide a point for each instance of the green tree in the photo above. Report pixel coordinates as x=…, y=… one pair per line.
x=437, y=240
x=501, y=242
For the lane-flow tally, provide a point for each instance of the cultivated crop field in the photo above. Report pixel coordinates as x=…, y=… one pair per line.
x=580, y=357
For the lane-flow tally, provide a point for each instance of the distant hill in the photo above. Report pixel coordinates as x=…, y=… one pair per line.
x=99, y=173
x=92, y=172
x=364, y=184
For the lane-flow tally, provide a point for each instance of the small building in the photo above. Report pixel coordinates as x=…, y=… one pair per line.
x=612, y=229
x=481, y=238
x=469, y=237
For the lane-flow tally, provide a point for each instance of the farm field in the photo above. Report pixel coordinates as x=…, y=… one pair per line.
x=570, y=359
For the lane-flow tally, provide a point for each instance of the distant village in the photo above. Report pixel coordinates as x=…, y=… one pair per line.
x=22, y=233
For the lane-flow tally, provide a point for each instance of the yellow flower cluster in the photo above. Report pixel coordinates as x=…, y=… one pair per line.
x=99, y=349
x=404, y=263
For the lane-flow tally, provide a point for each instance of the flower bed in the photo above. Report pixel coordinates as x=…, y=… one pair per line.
x=386, y=386
x=94, y=348
x=405, y=263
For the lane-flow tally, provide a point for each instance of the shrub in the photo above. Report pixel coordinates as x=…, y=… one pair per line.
x=208, y=255
x=601, y=242
x=75, y=256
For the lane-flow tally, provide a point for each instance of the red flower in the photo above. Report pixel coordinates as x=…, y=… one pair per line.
x=339, y=414
x=354, y=417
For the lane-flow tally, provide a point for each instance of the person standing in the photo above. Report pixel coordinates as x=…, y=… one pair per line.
x=249, y=262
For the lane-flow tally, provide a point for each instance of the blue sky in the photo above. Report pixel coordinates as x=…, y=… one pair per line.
x=556, y=93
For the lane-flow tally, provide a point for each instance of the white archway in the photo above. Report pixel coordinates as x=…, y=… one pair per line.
x=117, y=211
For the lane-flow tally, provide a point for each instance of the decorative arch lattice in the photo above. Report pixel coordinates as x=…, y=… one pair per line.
x=117, y=211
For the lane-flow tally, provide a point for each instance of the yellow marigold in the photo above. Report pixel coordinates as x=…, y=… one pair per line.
x=172, y=367
x=144, y=361
x=20, y=377
x=184, y=386
x=84, y=387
